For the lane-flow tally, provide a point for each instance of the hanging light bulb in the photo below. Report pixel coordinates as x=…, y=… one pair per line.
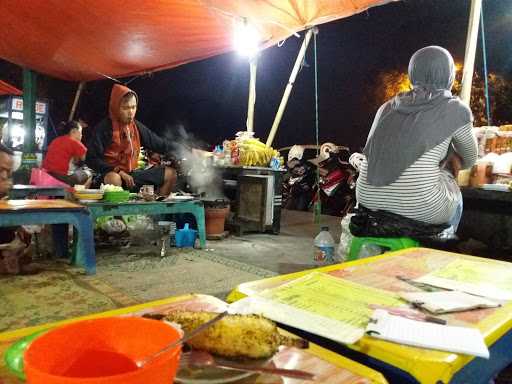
x=246, y=38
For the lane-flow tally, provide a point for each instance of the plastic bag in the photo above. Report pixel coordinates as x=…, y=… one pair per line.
x=369, y=249
x=114, y=226
x=139, y=223
x=345, y=238
x=386, y=224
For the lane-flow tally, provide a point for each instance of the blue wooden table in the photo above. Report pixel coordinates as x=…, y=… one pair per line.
x=25, y=212
x=22, y=191
x=194, y=207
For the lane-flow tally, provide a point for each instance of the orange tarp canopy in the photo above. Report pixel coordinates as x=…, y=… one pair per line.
x=8, y=89
x=87, y=39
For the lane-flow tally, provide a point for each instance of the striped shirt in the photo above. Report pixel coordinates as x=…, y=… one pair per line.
x=424, y=191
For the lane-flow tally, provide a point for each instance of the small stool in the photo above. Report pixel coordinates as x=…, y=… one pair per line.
x=392, y=243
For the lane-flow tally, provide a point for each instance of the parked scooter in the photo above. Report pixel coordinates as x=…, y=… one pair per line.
x=299, y=181
x=336, y=187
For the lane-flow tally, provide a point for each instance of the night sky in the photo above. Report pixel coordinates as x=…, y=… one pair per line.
x=209, y=98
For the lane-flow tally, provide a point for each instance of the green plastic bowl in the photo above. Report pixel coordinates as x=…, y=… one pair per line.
x=14, y=354
x=116, y=196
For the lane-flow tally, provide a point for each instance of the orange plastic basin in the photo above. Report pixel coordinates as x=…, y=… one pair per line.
x=103, y=351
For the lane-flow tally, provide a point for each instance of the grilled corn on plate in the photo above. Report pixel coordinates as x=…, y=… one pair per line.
x=235, y=336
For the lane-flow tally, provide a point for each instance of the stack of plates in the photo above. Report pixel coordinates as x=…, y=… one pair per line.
x=88, y=195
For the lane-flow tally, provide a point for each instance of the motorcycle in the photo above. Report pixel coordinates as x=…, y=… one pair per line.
x=299, y=181
x=336, y=186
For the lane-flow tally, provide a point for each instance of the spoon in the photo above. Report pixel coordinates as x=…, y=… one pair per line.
x=180, y=341
x=196, y=358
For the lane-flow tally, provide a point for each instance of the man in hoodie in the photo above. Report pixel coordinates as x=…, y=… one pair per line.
x=114, y=147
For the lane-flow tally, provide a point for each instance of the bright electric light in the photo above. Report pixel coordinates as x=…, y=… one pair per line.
x=18, y=131
x=17, y=135
x=246, y=38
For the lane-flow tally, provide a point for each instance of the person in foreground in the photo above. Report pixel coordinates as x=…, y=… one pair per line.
x=65, y=150
x=15, y=250
x=414, y=138
x=115, y=144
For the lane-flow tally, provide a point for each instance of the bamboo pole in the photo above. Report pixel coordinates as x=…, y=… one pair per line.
x=289, y=86
x=253, y=63
x=469, y=56
x=78, y=92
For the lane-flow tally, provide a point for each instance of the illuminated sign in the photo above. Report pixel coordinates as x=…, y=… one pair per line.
x=17, y=105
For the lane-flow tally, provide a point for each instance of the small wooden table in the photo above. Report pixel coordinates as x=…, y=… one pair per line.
x=329, y=367
x=401, y=363
x=20, y=212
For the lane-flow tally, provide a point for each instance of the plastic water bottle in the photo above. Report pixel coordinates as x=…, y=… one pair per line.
x=172, y=234
x=324, y=247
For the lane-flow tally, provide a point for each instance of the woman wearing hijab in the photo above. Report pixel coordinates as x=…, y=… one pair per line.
x=411, y=137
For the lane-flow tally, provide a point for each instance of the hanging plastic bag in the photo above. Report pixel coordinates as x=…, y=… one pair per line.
x=345, y=238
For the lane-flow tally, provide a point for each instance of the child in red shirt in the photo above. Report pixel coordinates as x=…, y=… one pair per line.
x=65, y=149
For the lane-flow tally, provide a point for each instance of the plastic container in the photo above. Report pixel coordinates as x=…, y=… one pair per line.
x=102, y=351
x=116, y=196
x=324, y=247
x=186, y=237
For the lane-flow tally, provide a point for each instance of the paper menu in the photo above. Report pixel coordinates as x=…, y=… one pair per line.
x=318, y=303
x=447, y=301
x=468, y=341
x=479, y=278
x=299, y=318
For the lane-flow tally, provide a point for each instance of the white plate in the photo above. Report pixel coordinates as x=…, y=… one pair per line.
x=181, y=197
x=88, y=200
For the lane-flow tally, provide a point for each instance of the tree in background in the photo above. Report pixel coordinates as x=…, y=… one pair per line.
x=500, y=93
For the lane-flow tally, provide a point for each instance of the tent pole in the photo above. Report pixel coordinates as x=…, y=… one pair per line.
x=78, y=92
x=253, y=63
x=29, y=110
x=289, y=86
x=469, y=57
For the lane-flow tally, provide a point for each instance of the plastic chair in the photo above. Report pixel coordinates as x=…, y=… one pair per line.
x=391, y=243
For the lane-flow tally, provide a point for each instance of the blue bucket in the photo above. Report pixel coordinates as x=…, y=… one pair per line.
x=186, y=237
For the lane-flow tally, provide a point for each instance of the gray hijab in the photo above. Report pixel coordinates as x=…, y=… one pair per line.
x=414, y=122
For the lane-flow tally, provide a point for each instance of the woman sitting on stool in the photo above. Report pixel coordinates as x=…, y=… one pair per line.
x=413, y=136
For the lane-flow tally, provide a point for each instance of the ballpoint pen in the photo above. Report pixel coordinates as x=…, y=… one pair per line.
x=422, y=286
x=409, y=314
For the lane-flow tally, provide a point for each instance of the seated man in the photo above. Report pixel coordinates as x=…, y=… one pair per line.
x=15, y=251
x=114, y=147
x=65, y=150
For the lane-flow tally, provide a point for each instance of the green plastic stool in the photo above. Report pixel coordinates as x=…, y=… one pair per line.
x=392, y=243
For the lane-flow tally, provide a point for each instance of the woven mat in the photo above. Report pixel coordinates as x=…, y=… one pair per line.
x=126, y=277
x=149, y=277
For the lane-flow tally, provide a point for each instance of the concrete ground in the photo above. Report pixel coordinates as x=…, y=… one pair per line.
x=290, y=251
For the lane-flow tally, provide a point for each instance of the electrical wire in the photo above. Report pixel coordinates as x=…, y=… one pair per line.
x=318, y=203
